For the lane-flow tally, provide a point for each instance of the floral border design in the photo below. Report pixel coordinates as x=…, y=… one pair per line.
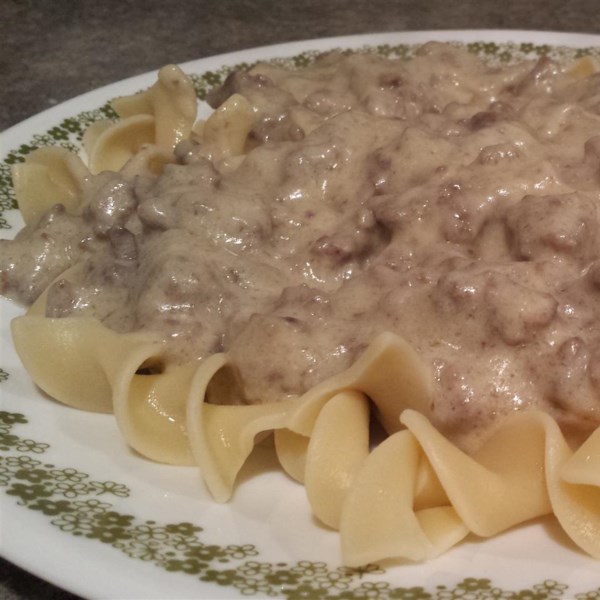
x=81, y=506
x=85, y=507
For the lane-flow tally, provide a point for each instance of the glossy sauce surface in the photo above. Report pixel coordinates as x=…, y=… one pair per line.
x=449, y=201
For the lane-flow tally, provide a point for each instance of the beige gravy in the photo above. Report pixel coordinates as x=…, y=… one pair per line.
x=451, y=202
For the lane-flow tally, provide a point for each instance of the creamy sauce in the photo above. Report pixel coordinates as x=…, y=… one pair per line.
x=451, y=202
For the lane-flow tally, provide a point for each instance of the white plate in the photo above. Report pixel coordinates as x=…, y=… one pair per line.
x=82, y=511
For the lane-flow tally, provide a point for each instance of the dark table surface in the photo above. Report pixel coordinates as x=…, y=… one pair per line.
x=52, y=50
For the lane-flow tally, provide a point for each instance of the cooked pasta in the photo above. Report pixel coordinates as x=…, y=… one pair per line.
x=390, y=266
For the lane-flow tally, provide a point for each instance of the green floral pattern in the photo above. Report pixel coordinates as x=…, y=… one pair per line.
x=79, y=505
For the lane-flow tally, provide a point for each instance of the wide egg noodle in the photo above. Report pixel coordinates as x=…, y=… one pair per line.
x=48, y=176
x=584, y=466
x=338, y=446
x=83, y=364
x=574, y=488
x=291, y=449
x=117, y=143
x=163, y=115
x=150, y=160
x=503, y=483
x=524, y=470
x=226, y=130
x=222, y=434
x=171, y=100
x=74, y=359
x=150, y=410
x=379, y=520
x=128, y=375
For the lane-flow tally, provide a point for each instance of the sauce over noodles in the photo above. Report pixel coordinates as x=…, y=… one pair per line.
x=449, y=201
